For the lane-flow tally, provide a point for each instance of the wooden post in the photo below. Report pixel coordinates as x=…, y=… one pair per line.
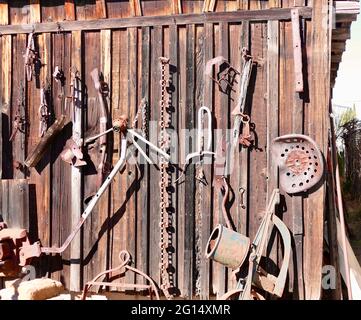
x=76, y=173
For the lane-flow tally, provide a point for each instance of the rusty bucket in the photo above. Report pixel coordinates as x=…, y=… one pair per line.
x=227, y=247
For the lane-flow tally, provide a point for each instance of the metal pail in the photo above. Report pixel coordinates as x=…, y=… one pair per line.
x=227, y=247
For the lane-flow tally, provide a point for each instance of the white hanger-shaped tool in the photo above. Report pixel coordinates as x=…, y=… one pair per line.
x=201, y=151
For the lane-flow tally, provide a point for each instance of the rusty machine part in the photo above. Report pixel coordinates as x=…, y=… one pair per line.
x=125, y=259
x=165, y=220
x=226, y=244
x=227, y=247
x=225, y=74
x=15, y=250
x=73, y=154
x=240, y=118
x=300, y=162
x=103, y=92
x=31, y=57
x=44, y=113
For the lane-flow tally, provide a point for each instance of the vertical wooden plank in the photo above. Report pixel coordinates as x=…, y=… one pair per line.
x=5, y=95
x=174, y=74
x=199, y=256
x=96, y=229
x=15, y=203
x=317, y=130
x=176, y=6
x=135, y=8
x=235, y=52
x=60, y=171
x=189, y=178
x=69, y=8
x=101, y=9
x=223, y=123
x=35, y=11
x=76, y=173
x=258, y=155
x=106, y=67
x=43, y=176
x=182, y=154
x=93, y=253
x=154, y=250
x=132, y=176
x=144, y=199
x=119, y=107
x=272, y=112
x=207, y=190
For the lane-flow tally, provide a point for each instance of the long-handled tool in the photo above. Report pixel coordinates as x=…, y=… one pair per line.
x=27, y=250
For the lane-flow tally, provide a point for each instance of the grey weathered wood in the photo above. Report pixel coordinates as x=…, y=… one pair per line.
x=183, y=19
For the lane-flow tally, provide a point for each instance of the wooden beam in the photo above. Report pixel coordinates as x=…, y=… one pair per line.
x=182, y=19
x=347, y=7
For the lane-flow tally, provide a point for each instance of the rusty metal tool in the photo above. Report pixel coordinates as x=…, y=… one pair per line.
x=15, y=250
x=29, y=57
x=44, y=113
x=225, y=75
x=231, y=249
x=103, y=91
x=201, y=150
x=239, y=111
x=125, y=259
x=19, y=123
x=300, y=162
x=72, y=152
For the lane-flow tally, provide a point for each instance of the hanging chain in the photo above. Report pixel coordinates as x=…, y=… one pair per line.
x=164, y=182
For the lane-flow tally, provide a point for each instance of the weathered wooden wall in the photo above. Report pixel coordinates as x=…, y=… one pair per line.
x=127, y=217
